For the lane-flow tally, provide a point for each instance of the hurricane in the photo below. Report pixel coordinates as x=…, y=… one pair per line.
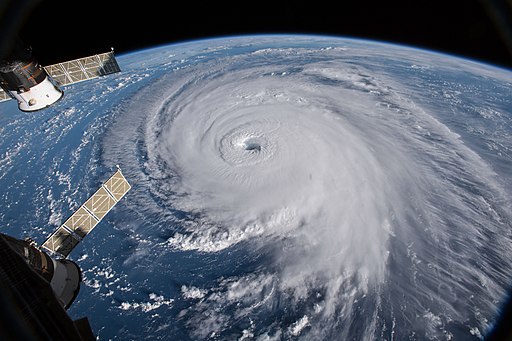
x=306, y=192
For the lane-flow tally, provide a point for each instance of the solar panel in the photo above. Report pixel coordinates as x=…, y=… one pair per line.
x=81, y=222
x=82, y=69
x=100, y=203
x=63, y=240
x=117, y=185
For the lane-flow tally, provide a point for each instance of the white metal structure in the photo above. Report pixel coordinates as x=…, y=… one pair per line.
x=38, y=97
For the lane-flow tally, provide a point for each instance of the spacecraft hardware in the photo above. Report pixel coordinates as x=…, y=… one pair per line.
x=35, y=87
x=64, y=239
x=37, y=283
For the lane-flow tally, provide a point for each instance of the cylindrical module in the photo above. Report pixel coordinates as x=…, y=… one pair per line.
x=63, y=276
x=25, y=80
x=65, y=281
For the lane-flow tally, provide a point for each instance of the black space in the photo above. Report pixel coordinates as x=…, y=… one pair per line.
x=59, y=30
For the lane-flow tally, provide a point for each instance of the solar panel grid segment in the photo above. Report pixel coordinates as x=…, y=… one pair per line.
x=85, y=219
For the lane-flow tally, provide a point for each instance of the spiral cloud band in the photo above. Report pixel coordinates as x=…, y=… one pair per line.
x=358, y=210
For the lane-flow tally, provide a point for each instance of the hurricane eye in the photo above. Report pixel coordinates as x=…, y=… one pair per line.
x=252, y=145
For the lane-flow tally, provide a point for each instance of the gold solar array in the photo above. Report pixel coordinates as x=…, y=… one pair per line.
x=81, y=223
x=82, y=69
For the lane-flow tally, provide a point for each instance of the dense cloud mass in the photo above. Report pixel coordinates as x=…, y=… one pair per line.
x=368, y=208
x=309, y=189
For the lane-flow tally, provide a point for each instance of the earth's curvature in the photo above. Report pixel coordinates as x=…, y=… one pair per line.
x=284, y=188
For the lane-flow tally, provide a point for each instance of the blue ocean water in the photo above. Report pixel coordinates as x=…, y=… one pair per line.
x=377, y=206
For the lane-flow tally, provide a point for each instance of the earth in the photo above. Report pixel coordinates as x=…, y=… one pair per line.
x=284, y=188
